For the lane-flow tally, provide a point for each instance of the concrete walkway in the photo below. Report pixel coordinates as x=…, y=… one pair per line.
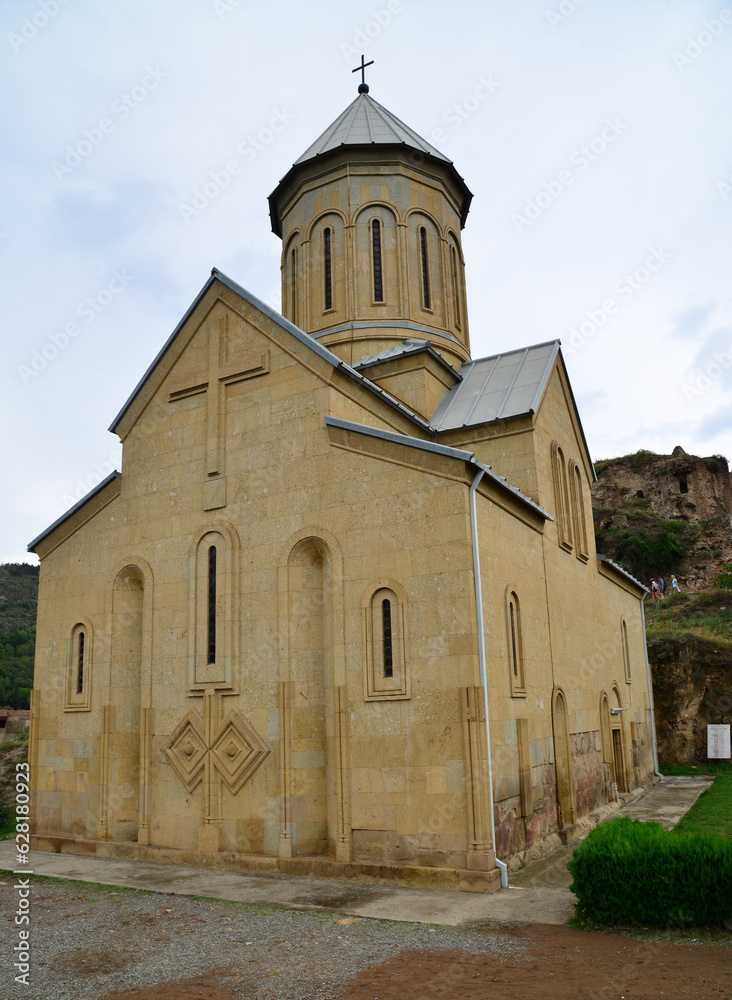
x=538, y=893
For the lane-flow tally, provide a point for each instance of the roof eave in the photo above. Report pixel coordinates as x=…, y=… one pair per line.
x=73, y=510
x=466, y=193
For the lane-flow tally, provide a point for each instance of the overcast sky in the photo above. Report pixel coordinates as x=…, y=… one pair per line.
x=594, y=135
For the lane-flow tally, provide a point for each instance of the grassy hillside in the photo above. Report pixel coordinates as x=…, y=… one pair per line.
x=18, y=597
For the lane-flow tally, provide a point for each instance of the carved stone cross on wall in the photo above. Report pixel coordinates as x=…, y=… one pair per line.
x=224, y=369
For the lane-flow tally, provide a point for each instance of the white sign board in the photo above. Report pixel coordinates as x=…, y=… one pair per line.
x=718, y=741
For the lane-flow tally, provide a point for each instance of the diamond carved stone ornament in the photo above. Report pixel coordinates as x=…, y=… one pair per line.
x=236, y=750
x=186, y=750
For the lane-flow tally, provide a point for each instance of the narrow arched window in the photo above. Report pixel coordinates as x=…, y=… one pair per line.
x=455, y=285
x=211, y=645
x=515, y=644
x=386, y=625
x=562, y=505
x=626, y=650
x=578, y=513
x=80, y=665
x=293, y=284
x=328, y=267
x=386, y=672
x=425, y=268
x=376, y=255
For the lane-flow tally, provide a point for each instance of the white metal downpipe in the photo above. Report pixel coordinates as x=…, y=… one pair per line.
x=481, y=660
x=650, y=690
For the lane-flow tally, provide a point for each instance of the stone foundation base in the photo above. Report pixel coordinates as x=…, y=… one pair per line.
x=310, y=867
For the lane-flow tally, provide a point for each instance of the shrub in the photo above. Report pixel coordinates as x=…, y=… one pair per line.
x=631, y=872
x=724, y=579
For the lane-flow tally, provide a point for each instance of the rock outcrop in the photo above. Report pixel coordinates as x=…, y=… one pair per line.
x=635, y=491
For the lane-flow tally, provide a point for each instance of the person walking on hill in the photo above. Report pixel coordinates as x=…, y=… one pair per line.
x=661, y=588
x=675, y=589
x=654, y=590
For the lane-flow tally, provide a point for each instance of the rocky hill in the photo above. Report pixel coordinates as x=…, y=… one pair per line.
x=663, y=514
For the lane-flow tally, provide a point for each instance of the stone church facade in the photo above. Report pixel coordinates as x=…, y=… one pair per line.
x=342, y=559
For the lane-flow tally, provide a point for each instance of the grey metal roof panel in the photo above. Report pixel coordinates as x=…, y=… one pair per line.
x=364, y=122
x=497, y=388
x=408, y=346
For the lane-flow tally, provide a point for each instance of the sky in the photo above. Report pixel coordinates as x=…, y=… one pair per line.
x=139, y=142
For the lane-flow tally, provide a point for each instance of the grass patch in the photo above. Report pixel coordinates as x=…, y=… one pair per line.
x=712, y=812
x=707, y=615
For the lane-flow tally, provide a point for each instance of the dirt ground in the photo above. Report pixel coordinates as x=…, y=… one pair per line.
x=563, y=964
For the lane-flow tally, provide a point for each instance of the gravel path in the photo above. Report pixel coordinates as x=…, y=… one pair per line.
x=88, y=941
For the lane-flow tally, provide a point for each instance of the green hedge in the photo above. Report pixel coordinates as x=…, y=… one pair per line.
x=630, y=872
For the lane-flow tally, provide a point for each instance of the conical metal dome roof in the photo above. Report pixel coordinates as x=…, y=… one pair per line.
x=366, y=124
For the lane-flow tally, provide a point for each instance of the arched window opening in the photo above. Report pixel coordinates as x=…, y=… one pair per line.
x=293, y=284
x=626, y=649
x=80, y=665
x=515, y=644
x=683, y=486
x=425, y=268
x=328, y=267
x=561, y=498
x=78, y=668
x=386, y=671
x=376, y=256
x=455, y=286
x=639, y=494
x=578, y=511
x=211, y=645
x=386, y=624
x=514, y=649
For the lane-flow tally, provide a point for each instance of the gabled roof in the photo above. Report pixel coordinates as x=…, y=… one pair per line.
x=409, y=346
x=504, y=387
x=295, y=331
x=500, y=387
x=73, y=510
x=366, y=124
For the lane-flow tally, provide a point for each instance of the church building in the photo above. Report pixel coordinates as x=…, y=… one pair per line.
x=340, y=613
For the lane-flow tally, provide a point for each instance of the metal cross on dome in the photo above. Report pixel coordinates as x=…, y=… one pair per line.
x=363, y=87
